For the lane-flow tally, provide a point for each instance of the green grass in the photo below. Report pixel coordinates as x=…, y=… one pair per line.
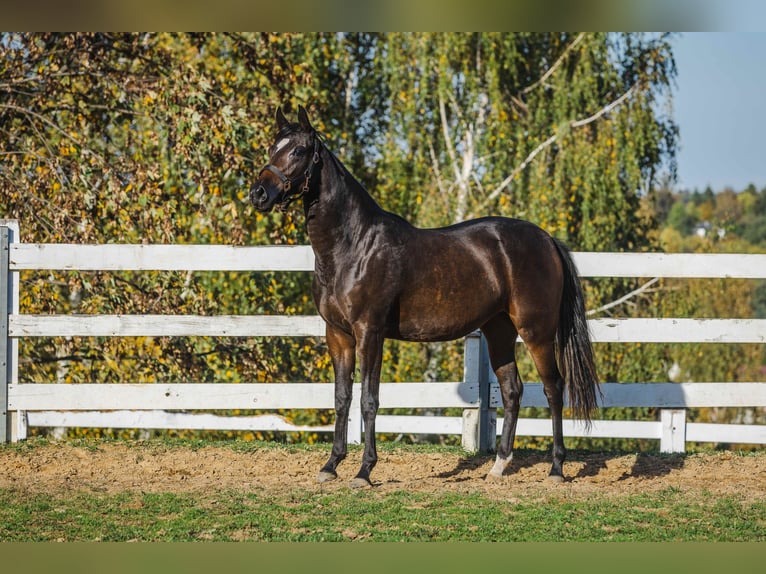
x=353, y=515
x=343, y=514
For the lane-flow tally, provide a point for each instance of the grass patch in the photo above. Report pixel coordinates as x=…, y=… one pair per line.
x=301, y=516
x=292, y=514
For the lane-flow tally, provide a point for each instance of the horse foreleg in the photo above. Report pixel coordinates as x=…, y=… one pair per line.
x=370, y=357
x=342, y=349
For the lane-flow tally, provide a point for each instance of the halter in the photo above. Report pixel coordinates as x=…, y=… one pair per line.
x=285, y=199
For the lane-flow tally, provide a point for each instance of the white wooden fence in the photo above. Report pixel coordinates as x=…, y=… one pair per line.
x=148, y=405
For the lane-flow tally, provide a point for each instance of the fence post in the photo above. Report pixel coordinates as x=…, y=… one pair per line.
x=673, y=437
x=12, y=424
x=479, y=425
x=5, y=347
x=355, y=422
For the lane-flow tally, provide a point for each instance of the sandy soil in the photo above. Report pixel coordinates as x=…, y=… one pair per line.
x=153, y=467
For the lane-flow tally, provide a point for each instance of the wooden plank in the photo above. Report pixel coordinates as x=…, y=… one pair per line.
x=389, y=424
x=166, y=326
x=683, y=265
x=599, y=428
x=116, y=257
x=428, y=395
x=602, y=330
x=167, y=420
x=228, y=396
x=678, y=330
x=407, y=424
x=392, y=395
x=206, y=396
x=662, y=395
x=731, y=433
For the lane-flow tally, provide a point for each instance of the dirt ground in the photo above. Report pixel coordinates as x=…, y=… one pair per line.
x=154, y=467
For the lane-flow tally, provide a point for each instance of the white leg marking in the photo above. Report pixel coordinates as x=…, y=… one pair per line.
x=500, y=465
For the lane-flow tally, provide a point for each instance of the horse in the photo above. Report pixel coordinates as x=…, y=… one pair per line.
x=377, y=276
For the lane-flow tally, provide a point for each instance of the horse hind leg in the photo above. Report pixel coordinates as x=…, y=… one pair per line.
x=544, y=357
x=501, y=342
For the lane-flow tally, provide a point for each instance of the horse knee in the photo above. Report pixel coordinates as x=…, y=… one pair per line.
x=342, y=404
x=369, y=407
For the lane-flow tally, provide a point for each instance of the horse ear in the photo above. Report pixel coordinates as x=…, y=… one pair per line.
x=281, y=119
x=303, y=119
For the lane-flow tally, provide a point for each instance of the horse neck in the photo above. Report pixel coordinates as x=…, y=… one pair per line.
x=338, y=218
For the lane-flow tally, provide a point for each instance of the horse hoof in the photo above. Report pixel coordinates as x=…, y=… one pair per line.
x=555, y=478
x=359, y=482
x=493, y=477
x=325, y=476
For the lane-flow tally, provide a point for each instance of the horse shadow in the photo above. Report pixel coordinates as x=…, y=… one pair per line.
x=646, y=465
x=469, y=464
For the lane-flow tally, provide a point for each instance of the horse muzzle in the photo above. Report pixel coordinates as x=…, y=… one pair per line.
x=261, y=199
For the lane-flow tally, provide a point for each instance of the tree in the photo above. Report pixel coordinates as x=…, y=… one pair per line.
x=156, y=137
x=150, y=138
x=680, y=218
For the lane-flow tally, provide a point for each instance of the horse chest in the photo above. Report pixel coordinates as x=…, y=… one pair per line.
x=347, y=296
x=331, y=307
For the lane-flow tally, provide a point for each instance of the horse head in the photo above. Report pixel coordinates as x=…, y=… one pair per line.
x=293, y=159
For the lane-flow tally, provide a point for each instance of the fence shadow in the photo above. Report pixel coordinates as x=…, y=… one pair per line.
x=649, y=465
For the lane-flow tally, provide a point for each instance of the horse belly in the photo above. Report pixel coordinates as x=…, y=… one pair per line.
x=445, y=314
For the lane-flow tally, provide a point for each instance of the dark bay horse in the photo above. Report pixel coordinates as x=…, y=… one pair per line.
x=377, y=277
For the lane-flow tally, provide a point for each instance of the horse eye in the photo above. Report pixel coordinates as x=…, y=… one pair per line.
x=299, y=151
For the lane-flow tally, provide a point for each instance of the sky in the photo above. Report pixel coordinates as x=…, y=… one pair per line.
x=719, y=104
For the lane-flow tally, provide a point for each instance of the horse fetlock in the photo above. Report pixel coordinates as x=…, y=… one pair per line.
x=501, y=463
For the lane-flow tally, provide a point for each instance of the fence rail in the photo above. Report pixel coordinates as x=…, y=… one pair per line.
x=602, y=330
x=156, y=405
x=121, y=257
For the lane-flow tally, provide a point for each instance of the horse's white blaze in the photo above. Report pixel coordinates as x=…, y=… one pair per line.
x=281, y=143
x=500, y=465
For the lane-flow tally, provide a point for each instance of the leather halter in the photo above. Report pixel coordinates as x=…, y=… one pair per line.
x=285, y=198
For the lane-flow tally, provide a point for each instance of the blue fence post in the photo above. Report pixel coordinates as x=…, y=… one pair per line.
x=5, y=346
x=479, y=424
x=13, y=424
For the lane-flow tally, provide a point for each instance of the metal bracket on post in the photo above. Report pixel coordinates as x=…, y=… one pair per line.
x=479, y=425
x=5, y=346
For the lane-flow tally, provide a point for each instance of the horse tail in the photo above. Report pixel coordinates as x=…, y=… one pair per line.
x=573, y=345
